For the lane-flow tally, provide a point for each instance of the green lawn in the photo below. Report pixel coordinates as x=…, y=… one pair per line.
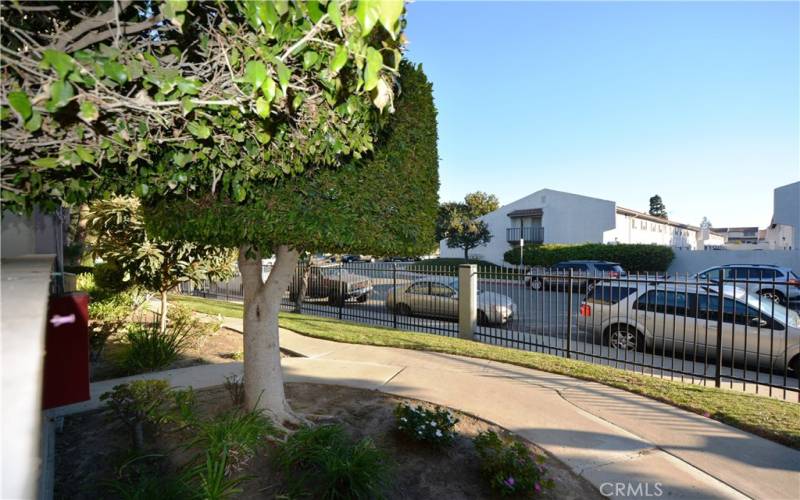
x=770, y=418
x=489, y=270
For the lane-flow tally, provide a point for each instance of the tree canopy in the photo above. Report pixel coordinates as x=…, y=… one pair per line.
x=457, y=221
x=657, y=207
x=176, y=97
x=381, y=204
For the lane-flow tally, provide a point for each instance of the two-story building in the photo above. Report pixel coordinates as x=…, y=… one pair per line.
x=549, y=216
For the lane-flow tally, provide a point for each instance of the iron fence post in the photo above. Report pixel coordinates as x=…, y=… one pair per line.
x=340, y=300
x=720, y=312
x=569, y=312
x=394, y=292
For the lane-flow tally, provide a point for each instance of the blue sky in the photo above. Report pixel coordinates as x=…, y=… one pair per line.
x=698, y=102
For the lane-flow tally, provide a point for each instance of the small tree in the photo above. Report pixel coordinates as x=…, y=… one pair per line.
x=705, y=224
x=657, y=208
x=455, y=221
x=467, y=233
x=148, y=262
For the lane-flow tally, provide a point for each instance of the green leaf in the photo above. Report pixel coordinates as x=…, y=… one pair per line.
x=383, y=95
x=389, y=11
x=88, y=111
x=84, y=154
x=263, y=137
x=239, y=193
x=60, y=94
x=191, y=87
x=35, y=122
x=284, y=75
x=187, y=105
x=373, y=68
x=172, y=10
x=268, y=89
x=116, y=71
x=5, y=113
x=59, y=61
x=199, y=130
x=367, y=15
x=255, y=73
x=45, y=162
x=335, y=14
x=309, y=58
x=21, y=104
x=314, y=10
x=262, y=107
x=339, y=59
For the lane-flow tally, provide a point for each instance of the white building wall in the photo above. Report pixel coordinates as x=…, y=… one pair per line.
x=567, y=218
x=630, y=229
x=786, y=209
x=687, y=261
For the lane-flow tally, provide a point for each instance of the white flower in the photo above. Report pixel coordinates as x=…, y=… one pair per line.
x=433, y=424
x=438, y=433
x=403, y=419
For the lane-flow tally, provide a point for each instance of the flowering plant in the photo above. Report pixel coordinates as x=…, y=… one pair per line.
x=435, y=426
x=510, y=468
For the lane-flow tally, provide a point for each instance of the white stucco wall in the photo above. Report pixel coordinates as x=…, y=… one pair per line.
x=688, y=261
x=786, y=209
x=630, y=229
x=566, y=218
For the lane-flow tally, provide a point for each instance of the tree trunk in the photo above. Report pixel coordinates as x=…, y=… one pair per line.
x=162, y=327
x=263, y=377
x=466, y=254
x=301, y=292
x=79, y=237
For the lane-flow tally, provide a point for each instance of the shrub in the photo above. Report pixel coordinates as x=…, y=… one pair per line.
x=144, y=477
x=322, y=462
x=509, y=467
x=149, y=349
x=233, y=437
x=234, y=384
x=435, y=426
x=108, y=312
x=213, y=482
x=634, y=258
x=109, y=276
x=137, y=404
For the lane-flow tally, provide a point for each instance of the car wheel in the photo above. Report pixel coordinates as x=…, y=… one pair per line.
x=794, y=365
x=362, y=298
x=774, y=295
x=404, y=310
x=483, y=320
x=624, y=338
x=536, y=284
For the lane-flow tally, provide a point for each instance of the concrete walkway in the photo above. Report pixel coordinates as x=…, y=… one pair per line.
x=626, y=445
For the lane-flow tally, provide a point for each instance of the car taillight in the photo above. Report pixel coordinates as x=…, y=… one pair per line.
x=613, y=274
x=794, y=282
x=586, y=310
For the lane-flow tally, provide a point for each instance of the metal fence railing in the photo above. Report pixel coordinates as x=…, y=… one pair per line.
x=725, y=332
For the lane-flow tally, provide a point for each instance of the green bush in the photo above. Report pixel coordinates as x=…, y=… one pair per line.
x=110, y=276
x=633, y=258
x=234, y=436
x=428, y=426
x=138, y=404
x=148, y=349
x=509, y=467
x=322, y=462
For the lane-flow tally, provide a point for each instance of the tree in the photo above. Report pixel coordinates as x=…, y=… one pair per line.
x=480, y=203
x=657, y=208
x=151, y=263
x=455, y=221
x=705, y=224
x=467, y=233
x=381, y=205
x=240, y=124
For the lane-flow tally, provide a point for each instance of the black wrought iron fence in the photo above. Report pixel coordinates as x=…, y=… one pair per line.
x=726, y=332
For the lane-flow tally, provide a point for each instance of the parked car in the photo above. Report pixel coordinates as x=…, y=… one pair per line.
x=334, y=283
x=586, y=272
x=438, y=296
x=347, y=258
x=685, y=317
x=780, y=284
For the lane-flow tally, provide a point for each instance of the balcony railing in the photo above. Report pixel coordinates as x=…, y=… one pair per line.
x=529, y=234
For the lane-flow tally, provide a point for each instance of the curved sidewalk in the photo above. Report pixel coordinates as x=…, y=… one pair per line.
x=626, y=445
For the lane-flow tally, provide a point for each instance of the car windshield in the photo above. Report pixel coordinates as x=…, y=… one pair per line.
x=609, y=267
x=774, y=309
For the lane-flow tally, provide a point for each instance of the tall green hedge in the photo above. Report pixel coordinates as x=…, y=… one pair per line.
x=633, y=258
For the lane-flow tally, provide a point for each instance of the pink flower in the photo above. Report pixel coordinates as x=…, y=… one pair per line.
x=537, y=487
x=707, y=415
x=509, y=482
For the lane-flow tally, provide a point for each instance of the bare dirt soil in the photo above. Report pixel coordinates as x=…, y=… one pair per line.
x=91, y=448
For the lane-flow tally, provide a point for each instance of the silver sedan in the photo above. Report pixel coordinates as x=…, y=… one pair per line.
x=438, y=296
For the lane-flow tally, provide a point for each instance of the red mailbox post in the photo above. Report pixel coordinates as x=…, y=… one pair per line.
x=66, y=360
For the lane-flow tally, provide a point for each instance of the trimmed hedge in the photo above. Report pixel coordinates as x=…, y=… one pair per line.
x=633, y=258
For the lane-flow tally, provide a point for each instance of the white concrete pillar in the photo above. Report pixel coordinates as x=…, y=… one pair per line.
x=467, y=300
